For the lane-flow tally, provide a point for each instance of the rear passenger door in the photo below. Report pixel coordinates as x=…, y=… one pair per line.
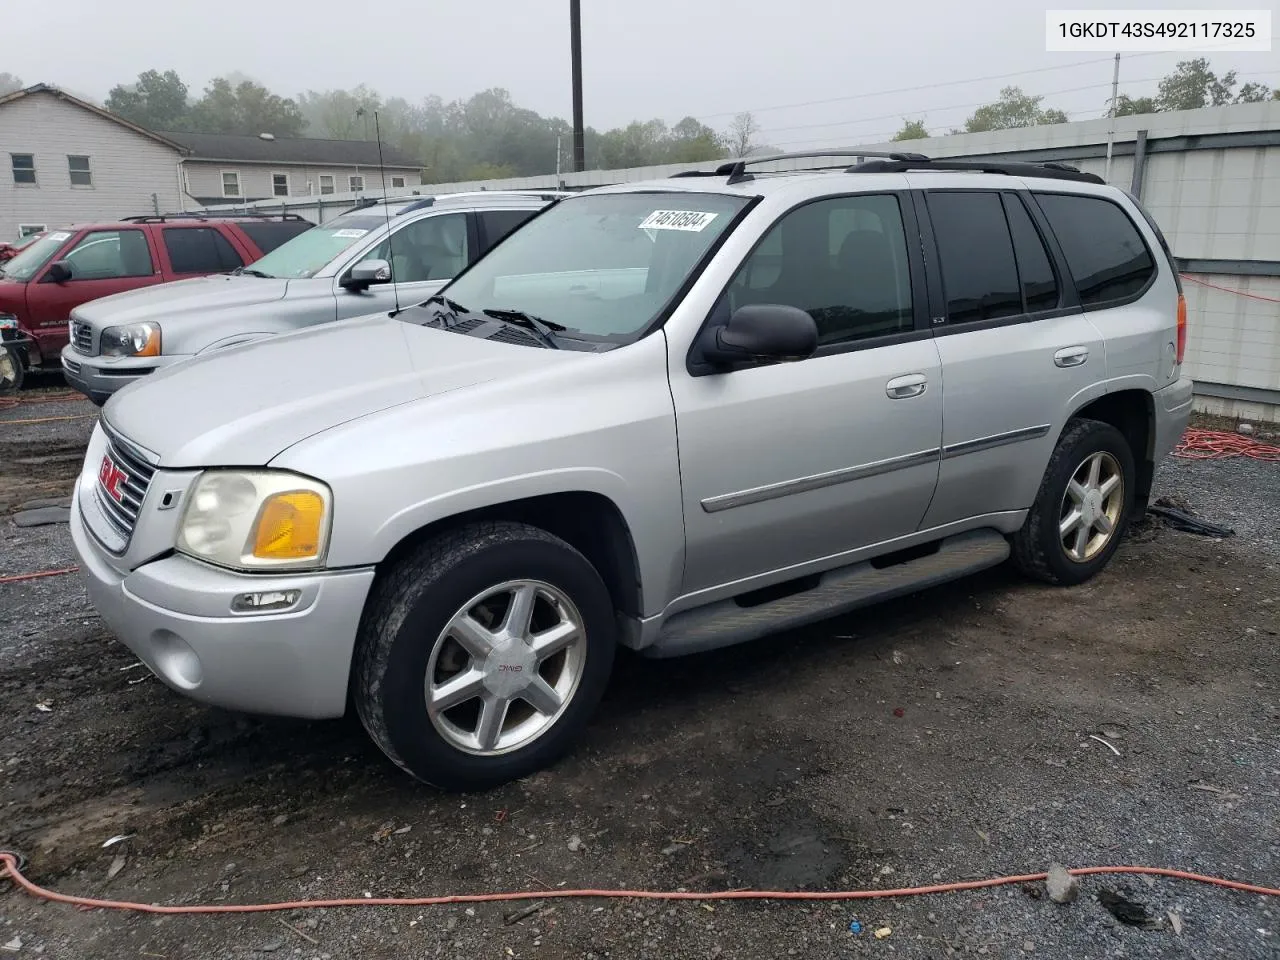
x=1018, y=354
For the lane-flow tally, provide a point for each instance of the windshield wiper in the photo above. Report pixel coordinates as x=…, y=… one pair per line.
x=250, y=272
x=439, y=318
x=545, y=329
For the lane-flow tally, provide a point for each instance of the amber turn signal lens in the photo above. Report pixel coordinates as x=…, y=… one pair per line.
x=290, y=526
x=1182, y=328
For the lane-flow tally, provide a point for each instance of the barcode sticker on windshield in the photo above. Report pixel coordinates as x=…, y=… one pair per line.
x=351, y=234
x=60, y=236
x=677, y=220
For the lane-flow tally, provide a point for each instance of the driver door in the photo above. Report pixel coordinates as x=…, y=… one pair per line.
x=787, y=466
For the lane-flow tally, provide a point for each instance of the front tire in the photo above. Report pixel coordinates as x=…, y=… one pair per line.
x=1082, y=509
x=12, y=370
x=483, y=654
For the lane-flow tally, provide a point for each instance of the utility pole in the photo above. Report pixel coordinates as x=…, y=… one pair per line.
x=1111, y=129
x=575, y=43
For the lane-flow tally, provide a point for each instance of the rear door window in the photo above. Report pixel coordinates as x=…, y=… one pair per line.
x=199, y=250
x=496, y=224
x=979, y=273
x=1106, y=254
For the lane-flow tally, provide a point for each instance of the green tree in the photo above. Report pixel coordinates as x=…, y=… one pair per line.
x=1193, y=85
x=1254, y=93
x=691, y=142
x=1127, y=106
x=336, y=113
x=911, y=130
x=8, y=83
x=247, y=108
x=1013, y=109
x=157, y=101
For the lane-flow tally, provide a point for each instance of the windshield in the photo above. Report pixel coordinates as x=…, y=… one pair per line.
x=33, y=256
x=310, y=252
x=602, y=266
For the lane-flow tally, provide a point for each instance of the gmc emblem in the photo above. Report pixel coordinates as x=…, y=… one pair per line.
x=112, y=479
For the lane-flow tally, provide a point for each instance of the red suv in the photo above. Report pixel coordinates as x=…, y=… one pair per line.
x=64, y=268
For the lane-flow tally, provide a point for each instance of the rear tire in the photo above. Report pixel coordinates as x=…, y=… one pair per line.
x=460, y=632
x=1082, y=508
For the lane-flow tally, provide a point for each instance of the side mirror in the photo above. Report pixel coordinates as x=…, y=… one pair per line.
x=366, y=274
x=60, y=271
x=762, y=333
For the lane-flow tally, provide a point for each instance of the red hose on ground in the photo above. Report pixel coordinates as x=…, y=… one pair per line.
x=10, y=863
x=1219, y=445
x=20, y=577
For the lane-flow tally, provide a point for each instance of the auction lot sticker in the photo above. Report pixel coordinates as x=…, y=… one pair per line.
x=677, y=220
x=1202, y=31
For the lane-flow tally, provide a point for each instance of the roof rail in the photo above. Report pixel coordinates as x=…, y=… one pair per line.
x=166, y=217
x=1050, y=170
x=736, y=170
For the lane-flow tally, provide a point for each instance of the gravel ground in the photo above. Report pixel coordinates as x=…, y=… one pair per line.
x=941, y=737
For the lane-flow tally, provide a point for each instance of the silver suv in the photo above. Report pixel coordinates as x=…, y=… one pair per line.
x=672, y=416
x=343, y=268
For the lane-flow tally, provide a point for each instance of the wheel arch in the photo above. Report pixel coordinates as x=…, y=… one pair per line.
x=589, y=521
x=1132, y=412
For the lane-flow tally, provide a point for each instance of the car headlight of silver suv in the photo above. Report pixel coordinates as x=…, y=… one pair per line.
x=131, y=340
x=256, y=520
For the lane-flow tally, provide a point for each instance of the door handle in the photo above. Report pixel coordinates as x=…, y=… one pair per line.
x=1071, y=356
x=901, y=388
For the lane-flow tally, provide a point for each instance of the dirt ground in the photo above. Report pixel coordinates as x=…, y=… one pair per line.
x=942, y=737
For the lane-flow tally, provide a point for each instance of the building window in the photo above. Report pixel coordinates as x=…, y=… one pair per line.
x=326, y=183
x=279, y=184
x=27, y=229
x=231, y=183
x=355, y=183
x=397, y=181
x=81, y=175
x=24, y=167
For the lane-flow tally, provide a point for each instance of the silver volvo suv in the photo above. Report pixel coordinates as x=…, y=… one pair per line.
x=669, y=416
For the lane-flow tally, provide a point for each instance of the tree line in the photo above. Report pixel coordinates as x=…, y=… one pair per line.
x=1191, y=85
x=488, y=136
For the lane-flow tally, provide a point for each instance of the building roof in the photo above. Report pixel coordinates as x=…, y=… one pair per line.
x=241, y=149
x=85, y=105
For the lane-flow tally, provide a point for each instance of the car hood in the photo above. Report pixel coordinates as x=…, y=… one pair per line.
x=243, y=405
x=181, y=297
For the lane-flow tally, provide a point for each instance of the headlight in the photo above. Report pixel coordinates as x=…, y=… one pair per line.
x=256, y=520
x=134, y=340
x=8, y=321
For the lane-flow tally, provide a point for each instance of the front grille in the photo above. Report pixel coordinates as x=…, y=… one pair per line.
x=123, y=513
x=82, y=337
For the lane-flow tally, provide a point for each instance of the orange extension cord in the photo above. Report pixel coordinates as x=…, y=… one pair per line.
x=8, y=403
x=1220, y=445
x=10, y=863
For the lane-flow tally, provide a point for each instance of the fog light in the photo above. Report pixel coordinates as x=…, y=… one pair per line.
x=266, y=601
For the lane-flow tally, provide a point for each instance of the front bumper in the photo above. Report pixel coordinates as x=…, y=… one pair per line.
x=175, y=614
x=99, y=377
x=1173, y=412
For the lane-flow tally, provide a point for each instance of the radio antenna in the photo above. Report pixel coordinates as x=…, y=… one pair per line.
x=386, y=208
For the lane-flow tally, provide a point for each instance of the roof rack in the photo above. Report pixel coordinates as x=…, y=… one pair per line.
x=736, y=170
x=166, y=217
x=1050, y=170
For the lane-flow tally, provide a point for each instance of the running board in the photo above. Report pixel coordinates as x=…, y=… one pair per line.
x=837, y=591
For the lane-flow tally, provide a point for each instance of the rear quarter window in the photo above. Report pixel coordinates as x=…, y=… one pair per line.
x=1105, y=252
x=270, y=234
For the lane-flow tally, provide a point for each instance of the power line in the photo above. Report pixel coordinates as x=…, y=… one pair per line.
x=951, y=83
x=981, y=103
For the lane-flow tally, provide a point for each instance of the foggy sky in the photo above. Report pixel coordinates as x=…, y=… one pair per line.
x=652, y=58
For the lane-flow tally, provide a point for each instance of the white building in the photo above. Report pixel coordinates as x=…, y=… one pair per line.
x=67, y=161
